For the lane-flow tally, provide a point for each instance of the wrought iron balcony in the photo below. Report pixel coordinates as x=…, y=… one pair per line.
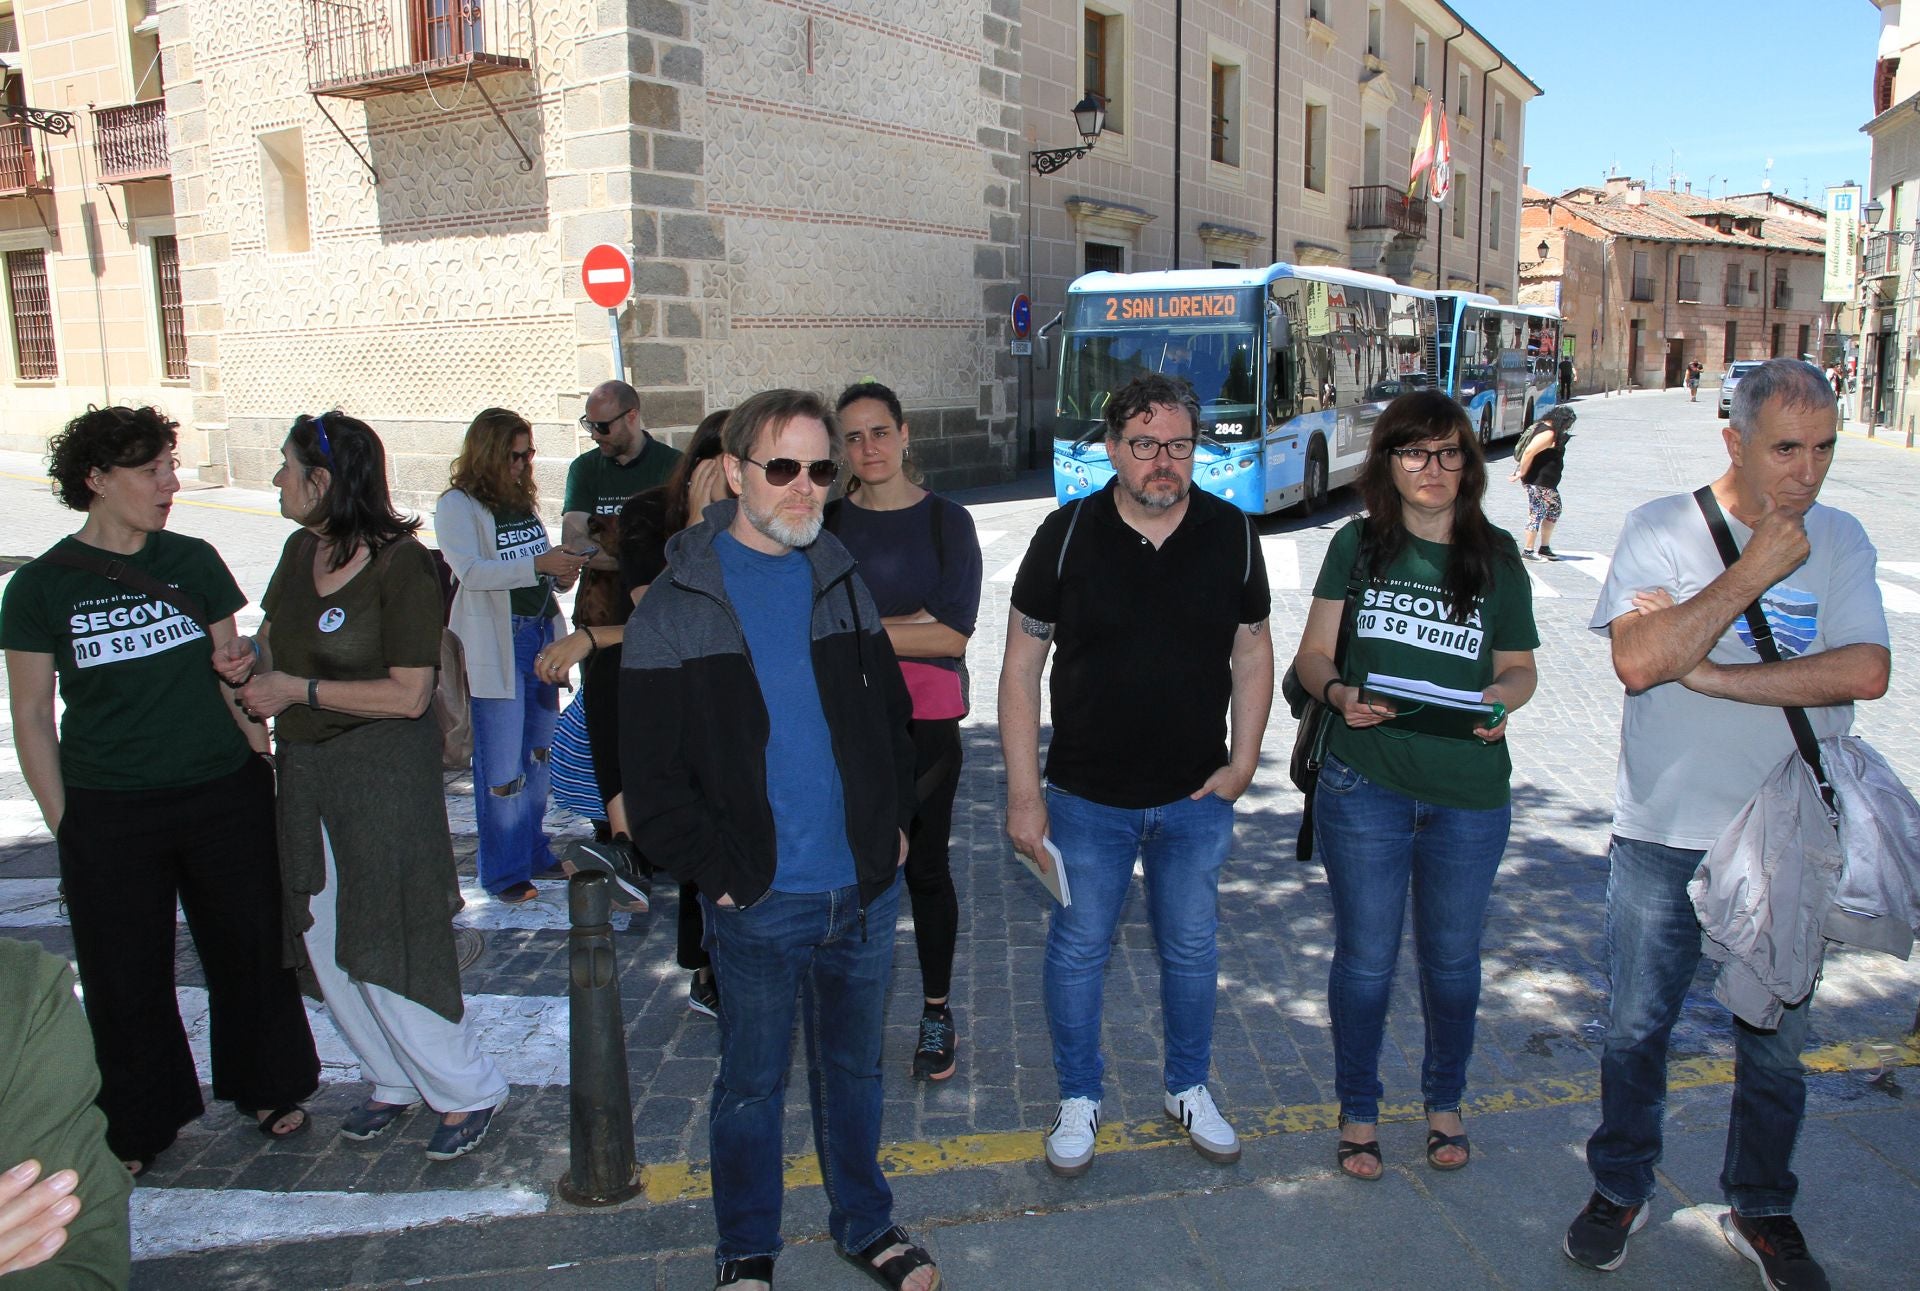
x=1782, y=296
x=1736, y=296
x=130, y=142
x=1688, y=291
x=1382, y=206
x=1878, y=261
x=19, y=166
x=359, y=49
x=1642, y=289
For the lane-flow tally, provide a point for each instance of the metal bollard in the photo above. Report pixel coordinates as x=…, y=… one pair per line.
x=601, y=1169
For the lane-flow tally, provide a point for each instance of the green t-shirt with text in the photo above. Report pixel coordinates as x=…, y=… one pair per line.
x=143, y=707
x=1403, y=629
x=521, y=536
x=600, y=486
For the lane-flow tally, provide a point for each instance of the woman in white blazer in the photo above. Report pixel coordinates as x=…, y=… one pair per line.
x=488, y=525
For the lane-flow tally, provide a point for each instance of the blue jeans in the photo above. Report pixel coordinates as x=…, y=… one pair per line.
x=1181, y=846
x=511, y=742
x=1377, y=843
x=838, y=960
x=1653, y=948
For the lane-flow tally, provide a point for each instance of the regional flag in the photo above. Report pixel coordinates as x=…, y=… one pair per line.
x=1422, y=150
x=1440, y=181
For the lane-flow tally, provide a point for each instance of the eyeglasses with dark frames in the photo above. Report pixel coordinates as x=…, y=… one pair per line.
x=1414, y=460
x=1146, y=448
x=782, y=471
x=524, y=455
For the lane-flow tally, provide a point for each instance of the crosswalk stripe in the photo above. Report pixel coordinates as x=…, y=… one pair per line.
x=1007, y=572
x=1896, y=599
x=987, y=537
x=1911, y=568
x=171, y=1221
x=1542, y=589
x=1283, y=562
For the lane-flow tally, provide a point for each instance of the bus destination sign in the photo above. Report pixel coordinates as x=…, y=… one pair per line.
x=1124, y=308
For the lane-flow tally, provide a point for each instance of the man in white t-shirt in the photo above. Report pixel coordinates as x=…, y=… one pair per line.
x=1701, y=731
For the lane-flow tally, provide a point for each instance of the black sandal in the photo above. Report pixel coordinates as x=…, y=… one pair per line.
x=895, y=1272
x=748, y=1268
x=1436, y=1140
x=266, y=1123
x=1348, y=1151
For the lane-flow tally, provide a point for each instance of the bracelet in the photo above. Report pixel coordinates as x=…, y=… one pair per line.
x=593, y=645
x=1327, y=689
x=313, y=692
x=253, y=644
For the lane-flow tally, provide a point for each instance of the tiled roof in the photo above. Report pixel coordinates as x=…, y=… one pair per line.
x=1663, y=217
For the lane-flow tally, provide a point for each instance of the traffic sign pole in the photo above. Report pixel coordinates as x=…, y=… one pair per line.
x=607, y=274
x=619, y=364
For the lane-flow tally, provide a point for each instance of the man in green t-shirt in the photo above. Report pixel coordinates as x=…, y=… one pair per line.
x=624, y=460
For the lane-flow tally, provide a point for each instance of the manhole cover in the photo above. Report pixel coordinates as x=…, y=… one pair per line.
x=468, y=945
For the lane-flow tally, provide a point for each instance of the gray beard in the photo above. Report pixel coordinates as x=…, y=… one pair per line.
x=1157, y=501
x=780, y=530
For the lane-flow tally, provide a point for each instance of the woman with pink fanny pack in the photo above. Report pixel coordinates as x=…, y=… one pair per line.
x=920, y=559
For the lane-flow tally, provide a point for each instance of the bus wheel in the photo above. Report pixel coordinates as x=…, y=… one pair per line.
x=1486, y=426
x=1313, y=495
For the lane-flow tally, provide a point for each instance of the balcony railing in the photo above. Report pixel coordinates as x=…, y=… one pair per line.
x=1782, y=296
x=1382, y=206
x=19, y=168
x=1736, y=296
x=1640, y=289
x=358, y=49
x=130, y=142
x=1687, y=291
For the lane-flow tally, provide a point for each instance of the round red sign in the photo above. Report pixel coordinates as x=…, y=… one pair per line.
x=607, y=275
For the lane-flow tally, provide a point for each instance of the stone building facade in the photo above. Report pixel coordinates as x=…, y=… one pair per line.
x=88, y=248
x=381, y=205
x=1888, y=344
x=1651, y=281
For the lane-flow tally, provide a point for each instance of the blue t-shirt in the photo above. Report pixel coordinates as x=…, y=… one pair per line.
x=773, y=597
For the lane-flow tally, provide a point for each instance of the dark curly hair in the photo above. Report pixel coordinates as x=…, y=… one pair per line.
x=1146, y=392
x=101, y=439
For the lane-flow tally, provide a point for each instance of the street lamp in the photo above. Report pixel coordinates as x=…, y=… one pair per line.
x=1090, y=117
x=1873, y=208
x=1544, y=249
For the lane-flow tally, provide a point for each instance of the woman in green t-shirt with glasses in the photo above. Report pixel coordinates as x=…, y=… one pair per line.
x=1446, y=602
x=157, y=790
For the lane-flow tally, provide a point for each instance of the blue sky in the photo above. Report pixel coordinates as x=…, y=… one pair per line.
x=1707, y=88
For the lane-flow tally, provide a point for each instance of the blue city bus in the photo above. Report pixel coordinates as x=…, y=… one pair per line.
x=1500, y=361
x=1291, y=363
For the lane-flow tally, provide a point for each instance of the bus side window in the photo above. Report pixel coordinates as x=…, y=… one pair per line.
x=1283, y=394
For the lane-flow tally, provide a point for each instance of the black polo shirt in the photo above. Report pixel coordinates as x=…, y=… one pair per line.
x=1143, y=641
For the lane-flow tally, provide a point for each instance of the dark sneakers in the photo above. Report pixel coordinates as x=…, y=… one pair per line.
x=703, y=993
x=939, y=1051
x=1774, y=1243
x=1598, y=1236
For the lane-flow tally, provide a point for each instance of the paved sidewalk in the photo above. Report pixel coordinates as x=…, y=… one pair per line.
x=226, y=1209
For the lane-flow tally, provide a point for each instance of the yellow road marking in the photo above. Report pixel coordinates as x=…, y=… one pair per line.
x=692, y=1181
x=1885, y=441
x=425, y=534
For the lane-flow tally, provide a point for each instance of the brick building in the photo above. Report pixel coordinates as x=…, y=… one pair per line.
x=1651, y=281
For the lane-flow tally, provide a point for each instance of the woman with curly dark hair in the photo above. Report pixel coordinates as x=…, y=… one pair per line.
x=344, y=663
x=157, y=790
x=1445, y=601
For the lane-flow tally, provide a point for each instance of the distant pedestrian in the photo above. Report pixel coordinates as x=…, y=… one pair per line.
x=1699, y=696
x=1543, y=457
x=1399, y=809
x=1694, y=369
x=1149, y=587
x=488, y=524
x=765, y=758
x=157, y=791
x=1567, y=375
x=919, y=557
x=344, y=662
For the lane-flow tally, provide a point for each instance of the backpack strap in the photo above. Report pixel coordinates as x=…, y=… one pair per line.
x=1060, y=566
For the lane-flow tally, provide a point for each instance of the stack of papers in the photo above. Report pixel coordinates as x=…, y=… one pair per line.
x=1053, y=880
x=1430, y=709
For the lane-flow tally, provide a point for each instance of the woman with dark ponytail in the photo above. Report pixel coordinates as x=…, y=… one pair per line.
x=1445, y=601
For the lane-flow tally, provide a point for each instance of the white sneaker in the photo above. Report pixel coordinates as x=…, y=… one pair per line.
x=1070, y=1141
x=1212, y=1137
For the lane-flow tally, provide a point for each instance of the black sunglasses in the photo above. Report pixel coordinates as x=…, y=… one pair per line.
x=782, y=471
x=600, y=427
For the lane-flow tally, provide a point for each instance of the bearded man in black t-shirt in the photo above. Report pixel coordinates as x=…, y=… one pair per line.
x=1155, y=595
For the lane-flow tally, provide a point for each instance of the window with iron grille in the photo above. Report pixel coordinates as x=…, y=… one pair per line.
x=1226, y=109
x=1106, y=256
x=173, y=319
x=31, y=306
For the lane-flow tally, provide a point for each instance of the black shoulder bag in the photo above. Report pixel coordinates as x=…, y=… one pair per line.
x=1763, y=645
x=133, y=579
x=1314, y=717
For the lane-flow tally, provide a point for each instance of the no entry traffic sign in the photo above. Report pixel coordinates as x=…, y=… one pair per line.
x=607, y=275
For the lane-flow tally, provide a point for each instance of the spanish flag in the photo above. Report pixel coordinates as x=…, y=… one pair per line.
x=1422, y=150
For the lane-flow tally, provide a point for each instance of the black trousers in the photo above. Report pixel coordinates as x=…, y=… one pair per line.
x=126, y=858
x=936, y=909
x=600, y=680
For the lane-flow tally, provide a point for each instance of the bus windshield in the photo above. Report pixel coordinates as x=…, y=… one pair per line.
x=1220, y=364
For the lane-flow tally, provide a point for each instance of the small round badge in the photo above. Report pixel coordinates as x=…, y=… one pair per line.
x=332, y=619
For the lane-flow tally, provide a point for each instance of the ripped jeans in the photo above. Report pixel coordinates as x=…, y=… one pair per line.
x=511, y=742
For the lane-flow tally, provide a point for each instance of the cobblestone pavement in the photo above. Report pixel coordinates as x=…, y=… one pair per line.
x=1541, y=1017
